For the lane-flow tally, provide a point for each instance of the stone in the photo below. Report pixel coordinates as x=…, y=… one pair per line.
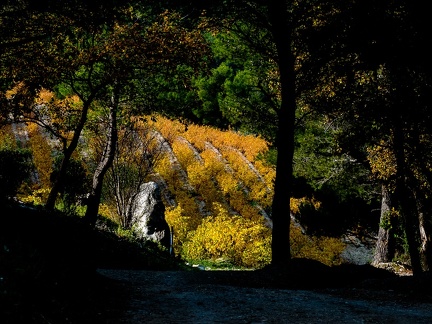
x=149, y=213
x=357, y=251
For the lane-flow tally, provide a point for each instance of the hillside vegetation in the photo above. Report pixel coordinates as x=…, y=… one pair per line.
x=217, y=187
x=223, y=187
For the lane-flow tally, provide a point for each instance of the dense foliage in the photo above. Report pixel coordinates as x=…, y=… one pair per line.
x=219, y=184
x=339, y=90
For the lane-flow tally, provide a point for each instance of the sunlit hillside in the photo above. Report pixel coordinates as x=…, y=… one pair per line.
x=217, y=188
x=212, y=173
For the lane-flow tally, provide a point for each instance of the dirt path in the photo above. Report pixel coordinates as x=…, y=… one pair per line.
x=200, y=297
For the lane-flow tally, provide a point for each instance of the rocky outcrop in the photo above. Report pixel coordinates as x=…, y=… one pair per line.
x=358, y=251
x=150, y=215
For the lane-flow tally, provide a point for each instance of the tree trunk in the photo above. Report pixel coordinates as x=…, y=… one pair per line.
x=104, y=164
x=425, y=243
x=425, y=221
x=423, y=208
x=385, y=247
x=405, y=197
x=281, y=32
x=67, y=154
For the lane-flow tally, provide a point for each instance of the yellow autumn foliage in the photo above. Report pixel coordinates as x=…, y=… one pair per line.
x=382, y=161
x=63, y=113
x=181, y=224
x=37, y=197
x=296, y=203
x=224, y=172
x=326, y=250
x=231, y=238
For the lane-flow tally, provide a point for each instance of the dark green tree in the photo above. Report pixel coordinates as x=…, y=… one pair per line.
x=377, y=87
x=242, y=90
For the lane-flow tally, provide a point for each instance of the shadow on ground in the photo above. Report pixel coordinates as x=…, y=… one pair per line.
x=48, y=272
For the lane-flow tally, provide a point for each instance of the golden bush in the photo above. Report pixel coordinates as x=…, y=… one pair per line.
x=232, y=182
x=181, y=224
x=231, y=238
x=382, y=161
x=7, y=137
x=324, y=249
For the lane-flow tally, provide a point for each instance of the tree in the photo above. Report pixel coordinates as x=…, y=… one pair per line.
x=281, y=31
x=77, y=183
x=385, y=246
x=286, y=25
x=101, y=65
x=164, y=42
x=138, y=151
x=43, y=49
x=373, y=67
x=275, y=19
x=241, y=91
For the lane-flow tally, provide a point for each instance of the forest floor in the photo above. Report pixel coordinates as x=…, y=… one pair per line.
x=144, y=296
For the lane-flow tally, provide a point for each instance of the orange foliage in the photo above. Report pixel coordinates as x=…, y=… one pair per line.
x=382, y=161
x=223, y=172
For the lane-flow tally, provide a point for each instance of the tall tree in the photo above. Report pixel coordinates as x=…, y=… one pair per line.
x=275, y=32
x=42, y=48
x=242, y=90
x=281, y=31
x=375, y=68
x=132, y=52
x=100, y=64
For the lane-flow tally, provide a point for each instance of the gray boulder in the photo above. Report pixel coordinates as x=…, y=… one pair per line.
x=149, y=215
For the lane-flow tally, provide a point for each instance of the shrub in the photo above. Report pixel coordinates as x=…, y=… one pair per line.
x=180, y=224
x=231, y=238
x=326, y=250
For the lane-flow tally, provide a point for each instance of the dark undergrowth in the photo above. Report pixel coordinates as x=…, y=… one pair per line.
x=48, y=274
x=48, y=265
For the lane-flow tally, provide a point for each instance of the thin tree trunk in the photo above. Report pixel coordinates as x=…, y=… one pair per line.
x=67, y=154
x=425, y=243
x=281, y=32
x=105, y=163
x=385, y=247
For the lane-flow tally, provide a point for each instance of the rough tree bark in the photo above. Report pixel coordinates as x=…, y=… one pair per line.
x=425, y=243
x=281, y=32
x=385, y=247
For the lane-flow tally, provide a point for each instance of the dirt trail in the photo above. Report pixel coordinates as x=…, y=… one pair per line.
x=199, y=297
